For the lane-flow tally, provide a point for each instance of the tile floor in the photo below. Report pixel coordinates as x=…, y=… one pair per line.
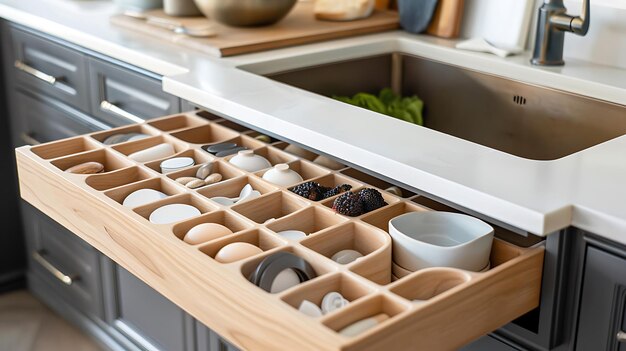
x=28, y=325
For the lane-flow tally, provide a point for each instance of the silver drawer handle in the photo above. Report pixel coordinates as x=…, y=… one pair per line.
x=66, y=279
x=35, y=72
x=28, y=139
x=107, y=106
x=621, y=336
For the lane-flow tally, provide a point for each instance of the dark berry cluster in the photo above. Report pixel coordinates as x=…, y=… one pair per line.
x=315, y=191
x=356, y=204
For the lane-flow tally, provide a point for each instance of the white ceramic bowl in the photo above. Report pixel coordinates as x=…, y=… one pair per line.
x=440, y=239
x=282, y=175
x=249, y=161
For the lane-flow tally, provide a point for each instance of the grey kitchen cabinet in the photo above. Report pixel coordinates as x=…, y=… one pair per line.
x=208, y=340
x=487, y=343
x=68, y=265
x=143, y=315
x=603, y=302
x=120, y=96
x=39, y=119
x=50, y=68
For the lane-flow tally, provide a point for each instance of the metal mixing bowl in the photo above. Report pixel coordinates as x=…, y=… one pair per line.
x=243, y=13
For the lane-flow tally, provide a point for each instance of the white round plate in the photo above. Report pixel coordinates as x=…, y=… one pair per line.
x=173, y=213
x=292, y=234
x=177, y=163
x=142, y=197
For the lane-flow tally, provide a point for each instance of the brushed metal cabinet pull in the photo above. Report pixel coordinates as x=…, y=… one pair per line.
x=35, y=72
x=57, y=273
x=107, y=106
x=28, y=139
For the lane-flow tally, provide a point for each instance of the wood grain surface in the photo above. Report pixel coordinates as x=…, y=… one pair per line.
x=461, y=306
x=299, y=27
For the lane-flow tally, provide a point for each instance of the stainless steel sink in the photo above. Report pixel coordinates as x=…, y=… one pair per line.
x=521, y=119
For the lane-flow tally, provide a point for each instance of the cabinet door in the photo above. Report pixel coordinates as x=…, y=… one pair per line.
x=143, y=315
x=120, y=96
x=603, y=302
x=39, y=119
x=69, y=265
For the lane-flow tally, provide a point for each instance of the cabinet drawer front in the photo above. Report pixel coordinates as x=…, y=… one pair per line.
x=40, y=120
x=146, y=317
x=64, y=260
x=51, y=68
x=133, y=95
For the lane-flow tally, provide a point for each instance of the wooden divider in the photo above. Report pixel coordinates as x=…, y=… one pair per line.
x=453, y=306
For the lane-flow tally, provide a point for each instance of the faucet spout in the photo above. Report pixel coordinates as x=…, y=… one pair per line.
x=552, y=23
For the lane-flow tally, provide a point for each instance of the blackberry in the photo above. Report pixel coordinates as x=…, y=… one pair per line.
x=337, y=190
x=304, y=189
x=316, y=194
x=371, y=199
x=348, y=204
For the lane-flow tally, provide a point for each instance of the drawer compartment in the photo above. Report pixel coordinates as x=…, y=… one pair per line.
x=65, y=261
x=120, y=96
x=51, y=68
x=455, y=307
x=40, y=120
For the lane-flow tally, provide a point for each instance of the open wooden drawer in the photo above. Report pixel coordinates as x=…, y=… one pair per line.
x=455, y=306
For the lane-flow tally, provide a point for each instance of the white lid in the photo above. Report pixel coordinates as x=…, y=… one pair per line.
x=142, y=197
x=177, y=162
x=173, y=213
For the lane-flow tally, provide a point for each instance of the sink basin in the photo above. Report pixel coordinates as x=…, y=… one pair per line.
x=518, y=118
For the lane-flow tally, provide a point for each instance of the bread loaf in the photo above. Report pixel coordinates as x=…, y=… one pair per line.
x=343, y=10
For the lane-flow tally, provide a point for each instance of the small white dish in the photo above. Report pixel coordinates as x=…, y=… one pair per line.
x=224, y=201
x=247, y=193
x=173, y=213
x=152, y=153
x=176, y=163
x=363, y=325
x=282, y=175
x=292, y=234
x=333, y=301
x=346, y=256
x=440, y=239
x=142, y=196
x=310, y=309
x=249, y=161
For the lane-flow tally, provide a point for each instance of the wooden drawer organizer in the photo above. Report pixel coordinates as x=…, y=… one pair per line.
x=457, y=306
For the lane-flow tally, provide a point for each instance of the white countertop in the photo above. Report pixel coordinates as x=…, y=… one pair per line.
x=584, y=189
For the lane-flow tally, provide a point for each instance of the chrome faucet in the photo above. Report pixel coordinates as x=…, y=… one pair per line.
x=552, y=23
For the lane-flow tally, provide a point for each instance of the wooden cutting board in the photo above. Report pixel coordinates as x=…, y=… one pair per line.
x=446, y=22
x=299, y=27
